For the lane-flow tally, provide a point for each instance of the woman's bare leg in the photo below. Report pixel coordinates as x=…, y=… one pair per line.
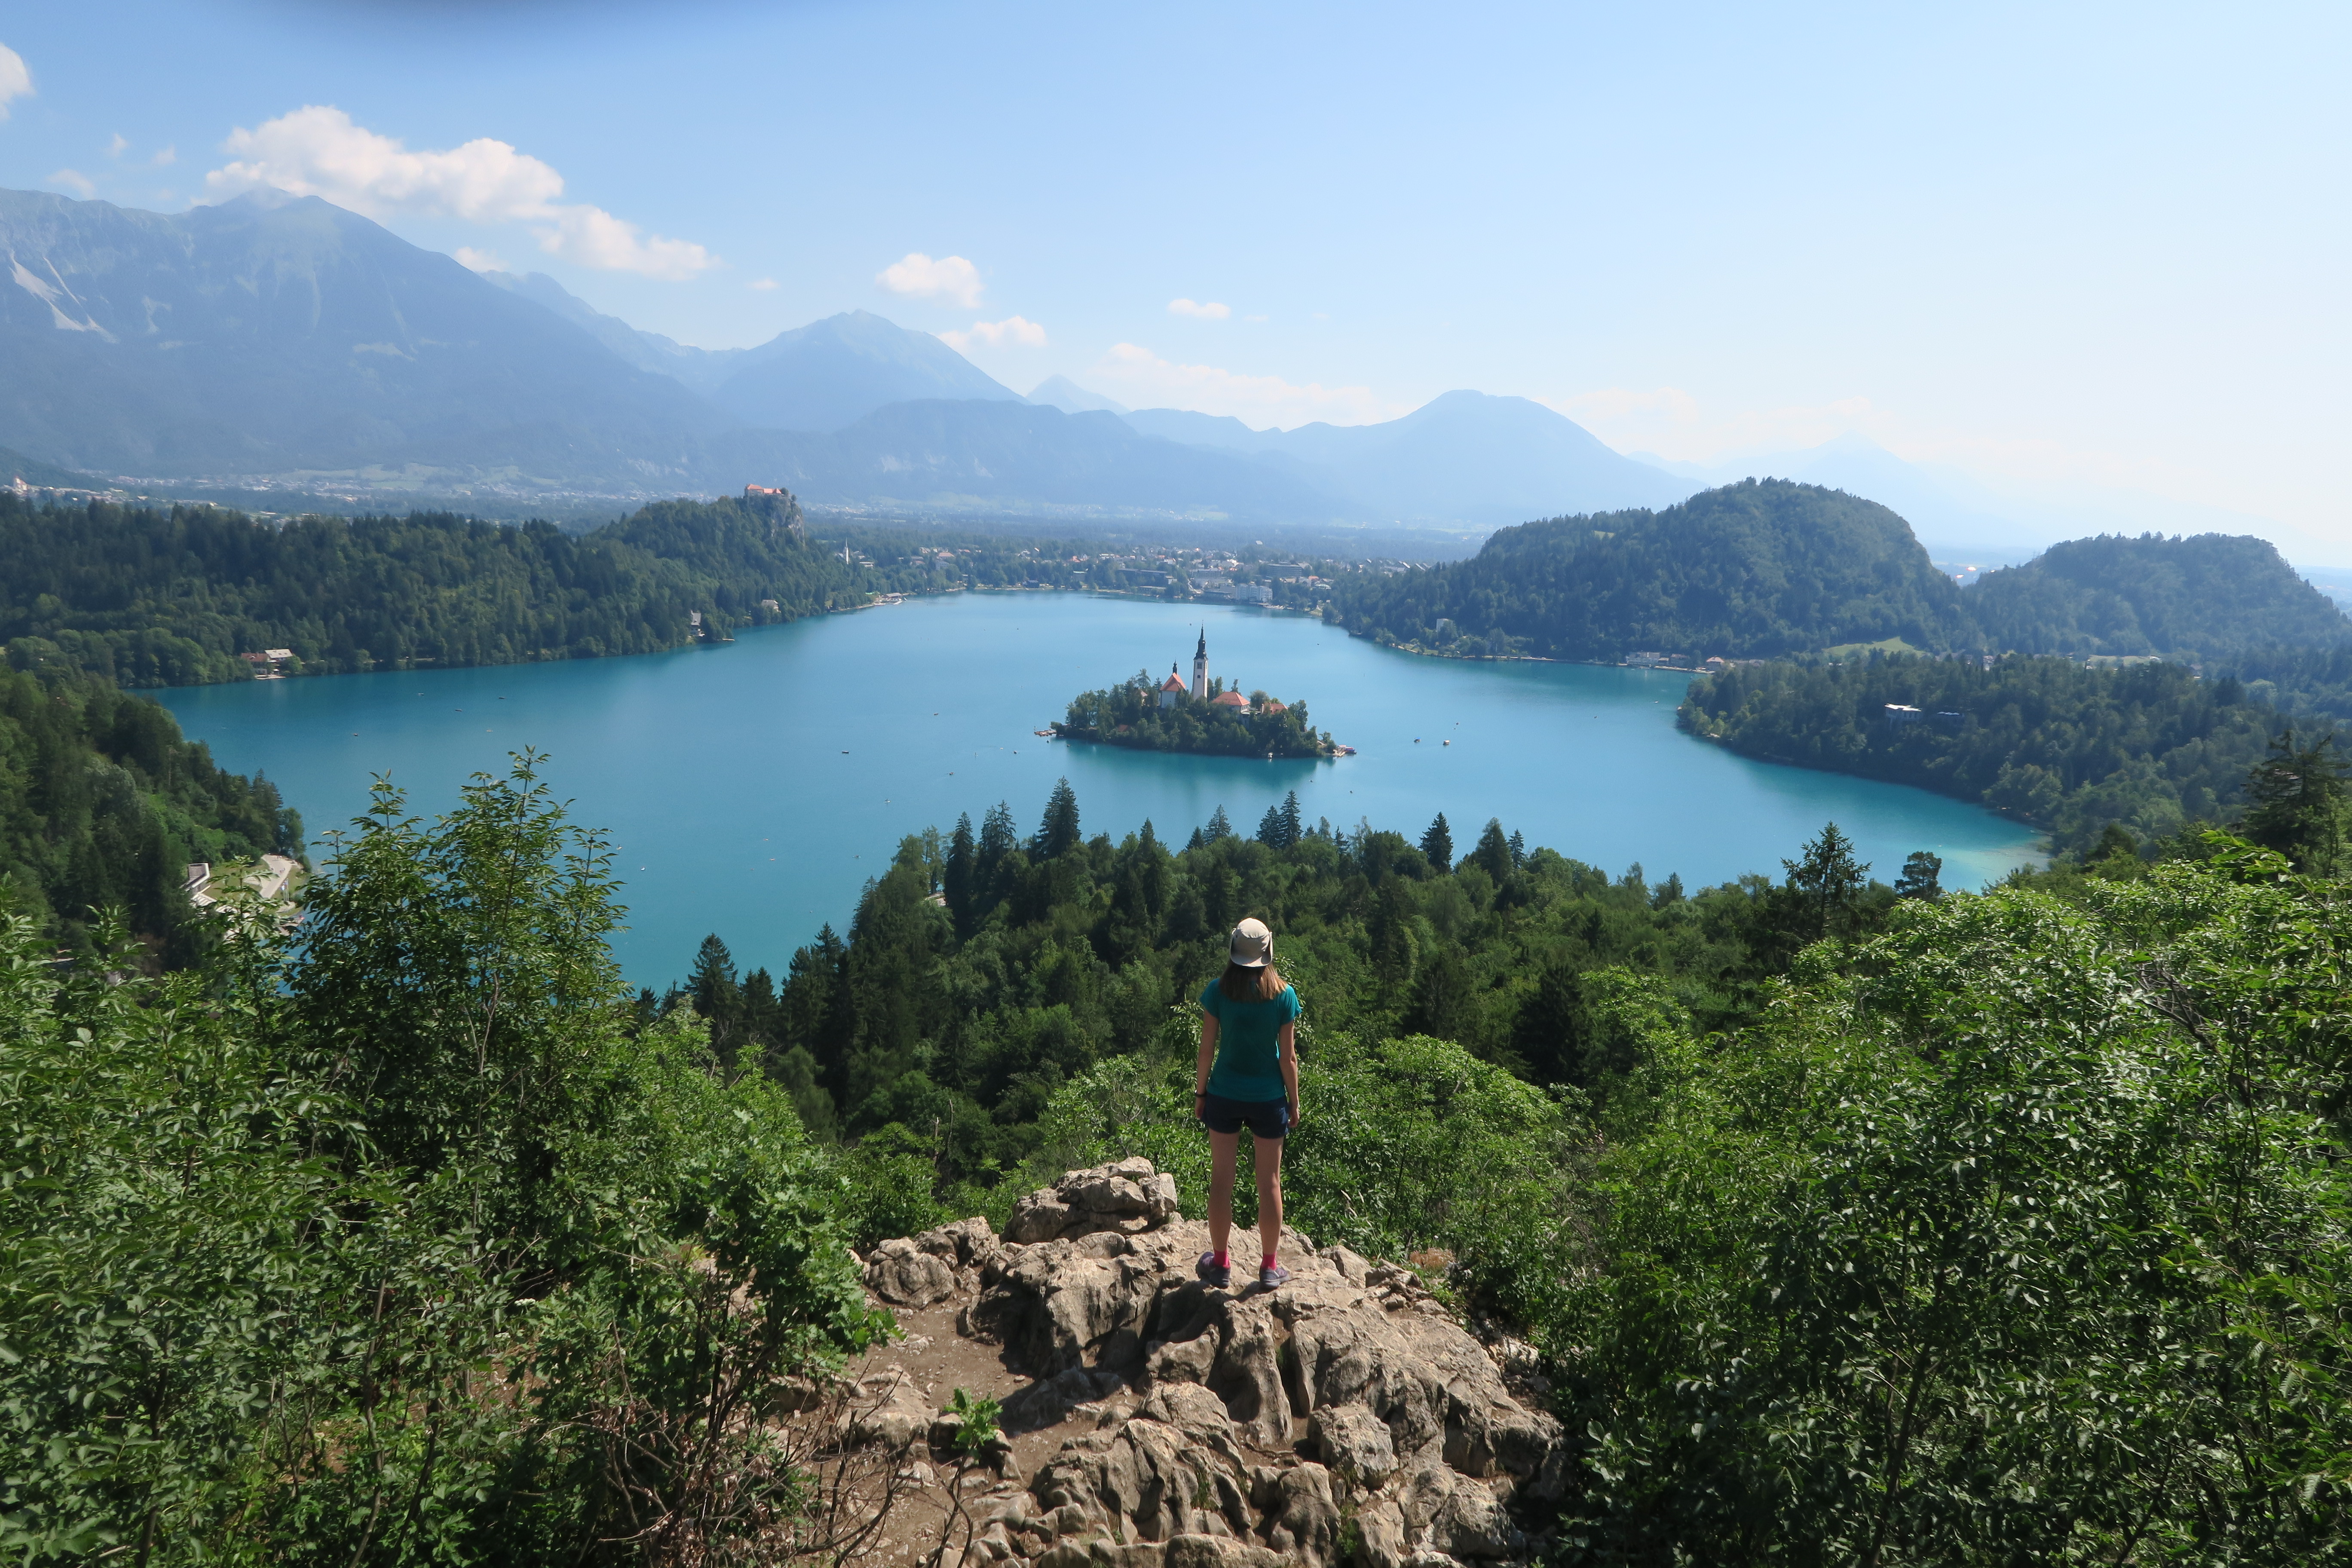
x=1224, y=1154
x=1269, y=1194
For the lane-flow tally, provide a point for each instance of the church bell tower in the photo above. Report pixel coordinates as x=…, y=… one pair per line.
x=1201, y=667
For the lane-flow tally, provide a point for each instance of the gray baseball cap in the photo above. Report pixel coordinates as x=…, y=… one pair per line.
x=1253, y=945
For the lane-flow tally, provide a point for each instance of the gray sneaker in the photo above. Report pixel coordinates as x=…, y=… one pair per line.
x=1215, y=1273
x=1273, y=1277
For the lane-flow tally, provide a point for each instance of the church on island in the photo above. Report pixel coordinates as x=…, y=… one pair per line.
x=1174, y=691
x=1205, y=716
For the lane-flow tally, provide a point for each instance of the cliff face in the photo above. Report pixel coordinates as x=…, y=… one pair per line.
x=1154, y=1421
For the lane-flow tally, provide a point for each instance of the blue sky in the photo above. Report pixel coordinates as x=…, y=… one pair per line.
x=2081, y=246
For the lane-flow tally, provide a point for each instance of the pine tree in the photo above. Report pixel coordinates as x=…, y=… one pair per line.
x=957, y=881
x=1518, y=849
x=1219, y=827
x=1269, y=827
x=1058, y=834
x=717, y=996
x=712, y=980
x=1292, y=830
x=2297, y=796
x=1390, y=932
x=1438, y=844
x=996, y=839
x=1823, y=885
x=1493, y=855
x=1921, y=879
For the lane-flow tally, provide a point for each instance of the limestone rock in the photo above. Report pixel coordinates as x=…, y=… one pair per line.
x=904, y=1276
x=1354, y=1442
x=1191, y=1397
x=1127, y=1195
x=1211, y=1551
x=888, y=1408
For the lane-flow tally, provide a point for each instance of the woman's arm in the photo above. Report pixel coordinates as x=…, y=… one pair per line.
x=1208, y=1059
x=1290, y=1058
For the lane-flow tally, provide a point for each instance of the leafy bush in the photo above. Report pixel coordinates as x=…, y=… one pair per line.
x=2027, y=1245
x=405, y=1246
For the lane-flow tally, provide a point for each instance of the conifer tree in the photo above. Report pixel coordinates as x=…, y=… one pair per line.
x=1292, y=830
x=1058, y=834
x=1438, y=844
x=1269, y=827
x=956, y=881
x=1219, y=827
x=2297, y=796
x=1921, y=879
x=996, y=839
x=1493, y=855
x=1823, y=884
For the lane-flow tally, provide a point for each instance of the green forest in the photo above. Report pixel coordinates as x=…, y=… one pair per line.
x=2149, y=747
x=1855, y=1221
x=169, y=597
x=1129, y=714
x=2203, y=596
x=1750, y=570
x=103, y=805
x=1768, y=568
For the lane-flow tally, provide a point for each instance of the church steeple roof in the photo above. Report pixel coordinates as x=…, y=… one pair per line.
x=1202, y=650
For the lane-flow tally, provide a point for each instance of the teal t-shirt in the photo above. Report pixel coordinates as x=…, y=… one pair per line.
x=1249, y=1043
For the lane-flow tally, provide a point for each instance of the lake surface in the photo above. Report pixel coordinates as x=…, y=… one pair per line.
x=751, y=789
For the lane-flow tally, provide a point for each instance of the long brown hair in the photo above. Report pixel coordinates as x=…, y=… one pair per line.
x=1241, y=984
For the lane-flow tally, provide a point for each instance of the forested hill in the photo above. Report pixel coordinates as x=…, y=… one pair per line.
x=1751, y=569
x=2150, y=748
x=150, y=597
x=102, y=804
x=2205, y=596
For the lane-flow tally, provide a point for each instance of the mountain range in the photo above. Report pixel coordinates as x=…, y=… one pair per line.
x=284, y=341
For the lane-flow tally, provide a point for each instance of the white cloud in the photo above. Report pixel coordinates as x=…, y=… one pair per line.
x=480, y=261
x=1149, y=380
x=1017, y=331
x=16, y=80
x=1212, y=312
x=317, y=151
x=760, y=285
x=166, y=157
x=595, y=237
x=74, y=179
x=950, y=277
x=115, y=148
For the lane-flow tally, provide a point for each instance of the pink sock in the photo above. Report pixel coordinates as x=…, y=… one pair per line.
x=1269, y=1260
x=1224, y=1260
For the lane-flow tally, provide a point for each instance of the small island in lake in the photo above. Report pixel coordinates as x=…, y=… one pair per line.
x=1206, y=717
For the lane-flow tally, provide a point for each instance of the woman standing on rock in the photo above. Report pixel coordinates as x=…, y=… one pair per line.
x=1247, y=1077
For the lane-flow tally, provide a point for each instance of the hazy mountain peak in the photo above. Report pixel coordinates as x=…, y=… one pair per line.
x=832, y=372
x=268, y=335
x=1060, y=392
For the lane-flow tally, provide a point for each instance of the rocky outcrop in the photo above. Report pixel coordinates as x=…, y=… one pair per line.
x=1347, y=1417
x=1126, y=1197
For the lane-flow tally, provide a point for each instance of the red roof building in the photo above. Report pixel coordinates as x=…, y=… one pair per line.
x=1229, y=699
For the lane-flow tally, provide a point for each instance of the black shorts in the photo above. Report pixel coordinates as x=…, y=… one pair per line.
x=1264, y=1117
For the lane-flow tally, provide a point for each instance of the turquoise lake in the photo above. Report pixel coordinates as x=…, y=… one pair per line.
x=751, y=788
